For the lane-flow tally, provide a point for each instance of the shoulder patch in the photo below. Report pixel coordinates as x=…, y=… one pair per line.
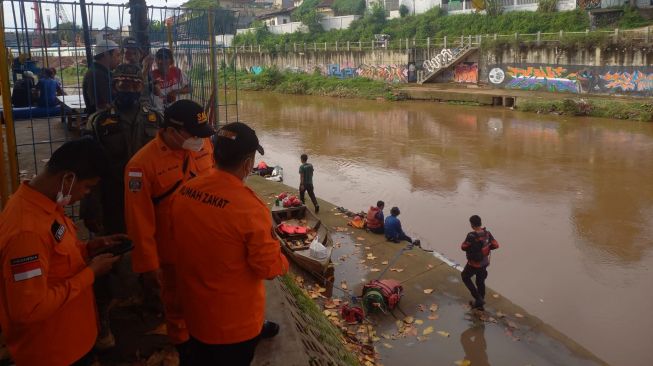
x=151, y=117
x=135, y=183
x=58, y=231
x=24, y=268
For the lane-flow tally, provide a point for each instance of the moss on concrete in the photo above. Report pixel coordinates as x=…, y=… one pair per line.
x=328, y=333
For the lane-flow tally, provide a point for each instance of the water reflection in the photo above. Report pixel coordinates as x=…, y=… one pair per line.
x=569, y=200
x=473, y=342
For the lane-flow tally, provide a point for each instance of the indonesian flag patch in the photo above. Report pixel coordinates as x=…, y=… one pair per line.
x=135, y=183
x=24, y=268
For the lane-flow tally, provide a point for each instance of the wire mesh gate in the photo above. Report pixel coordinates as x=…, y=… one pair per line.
x=60, y=35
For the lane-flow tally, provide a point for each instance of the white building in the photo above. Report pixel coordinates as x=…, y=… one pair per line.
x=277, y=17
x=283, y=4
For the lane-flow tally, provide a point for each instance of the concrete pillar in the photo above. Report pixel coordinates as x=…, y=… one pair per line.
x=597, y=56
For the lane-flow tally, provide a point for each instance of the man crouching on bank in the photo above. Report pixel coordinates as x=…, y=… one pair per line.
x=226, y=249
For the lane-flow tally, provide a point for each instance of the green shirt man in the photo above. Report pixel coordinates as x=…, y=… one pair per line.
x=306, y=182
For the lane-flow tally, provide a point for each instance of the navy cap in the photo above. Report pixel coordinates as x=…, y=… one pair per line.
x=236, y=140
x=190, y=116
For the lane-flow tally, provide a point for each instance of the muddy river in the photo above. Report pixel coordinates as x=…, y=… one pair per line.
x=570, y=200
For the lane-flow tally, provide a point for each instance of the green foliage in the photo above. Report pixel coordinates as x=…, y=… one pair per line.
x=403, y=10
x=547, y=6
x=631, y=18
x=201, y=4
x=349, y=7
x=306, y=7
x=593, y=108
x=493, y=8
x=67, y=31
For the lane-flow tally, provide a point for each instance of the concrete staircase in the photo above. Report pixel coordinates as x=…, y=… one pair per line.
x=458, y=56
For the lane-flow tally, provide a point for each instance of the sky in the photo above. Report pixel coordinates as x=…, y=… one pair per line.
x=113, y=15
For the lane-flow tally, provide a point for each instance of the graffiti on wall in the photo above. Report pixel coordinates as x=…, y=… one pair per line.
x=438, y=61
x=574, y=79
x=388, y=73
x=466, y=72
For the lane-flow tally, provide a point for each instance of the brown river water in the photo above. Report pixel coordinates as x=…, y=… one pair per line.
x=570, y=200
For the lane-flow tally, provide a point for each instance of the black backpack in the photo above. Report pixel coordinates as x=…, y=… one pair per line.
x=475, y=251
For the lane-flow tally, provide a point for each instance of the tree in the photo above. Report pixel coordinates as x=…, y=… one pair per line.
x=67, y=31
x=348, y=7
x=201, y=4
x=403, y=10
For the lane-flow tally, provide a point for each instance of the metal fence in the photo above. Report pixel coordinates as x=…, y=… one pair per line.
x=53, y=34
x=642, y=36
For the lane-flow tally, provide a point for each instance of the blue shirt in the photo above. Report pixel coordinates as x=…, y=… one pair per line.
x=392, y=227
x=47, y=92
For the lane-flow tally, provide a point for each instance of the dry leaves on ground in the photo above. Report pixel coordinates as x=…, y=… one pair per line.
x=463, y=363
x=428, y=330
x=443, y=333
x=519, y=315
x=428, y=291
x=343, y=285
x=375, y=270
x=360, y=238
x=398, y=270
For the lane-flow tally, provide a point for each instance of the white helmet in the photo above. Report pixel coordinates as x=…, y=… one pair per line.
x=104, y=46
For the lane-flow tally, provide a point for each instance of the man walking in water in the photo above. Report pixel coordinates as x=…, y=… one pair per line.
x=477, y=246
x=306, y=182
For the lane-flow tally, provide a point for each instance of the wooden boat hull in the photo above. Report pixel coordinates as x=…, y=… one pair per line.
x=316, y=266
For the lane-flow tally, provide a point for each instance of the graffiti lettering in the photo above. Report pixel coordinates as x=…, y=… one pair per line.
x=388, y=73
x=575, y=79
x=628, y=82
x=440, y=60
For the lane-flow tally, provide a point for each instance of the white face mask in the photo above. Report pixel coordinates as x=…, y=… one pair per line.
x=65, y=200
x=193, y=144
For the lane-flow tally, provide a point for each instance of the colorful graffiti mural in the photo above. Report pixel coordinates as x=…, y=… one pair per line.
x=629, y=82
x=466, y=72
x=574, y=79
x=553, y=79
x=342, y=73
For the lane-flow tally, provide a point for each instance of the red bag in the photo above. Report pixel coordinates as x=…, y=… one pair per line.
x=391, y=290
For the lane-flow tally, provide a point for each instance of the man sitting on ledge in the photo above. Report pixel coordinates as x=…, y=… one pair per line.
x=393, y=231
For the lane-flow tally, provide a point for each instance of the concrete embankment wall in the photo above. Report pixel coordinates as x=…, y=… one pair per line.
x=612, y=70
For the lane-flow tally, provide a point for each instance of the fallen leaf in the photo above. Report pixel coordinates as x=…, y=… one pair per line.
x=419, y=321
x=512, y=324
x=427, y=330
x=434, y=307
x=367, y=248
x=496, y=296
x=384, y=262
x=463, y=363
x=430, y=266
x=409, y=320
x=327, y=313
x=375, y=270
x=428, y=291
x=360, y=238
x=434, y=317
x=343, y=285
x=519, y=315
x=420, y=307
x=375, y=339
x=398, y=270
x=386, y=336
x=500, y=314
x=330, y=304
x=422, y=339
x=362, y=261
x=443, y=333
x=387, y=345
x=320, y=289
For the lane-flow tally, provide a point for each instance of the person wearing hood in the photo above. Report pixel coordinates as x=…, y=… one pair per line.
x=122, y=129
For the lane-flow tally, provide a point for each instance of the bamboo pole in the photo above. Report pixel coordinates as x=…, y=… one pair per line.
x=9, y=123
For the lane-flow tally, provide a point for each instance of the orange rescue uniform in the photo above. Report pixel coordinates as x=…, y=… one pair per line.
x=47, y=307
x=151, y=177
x=225, y=248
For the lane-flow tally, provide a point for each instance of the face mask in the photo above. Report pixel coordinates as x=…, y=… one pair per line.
x=193, y=144
x=65, y=200
x=127, y=99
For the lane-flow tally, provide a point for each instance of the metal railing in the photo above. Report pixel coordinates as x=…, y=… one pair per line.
x=644, y=36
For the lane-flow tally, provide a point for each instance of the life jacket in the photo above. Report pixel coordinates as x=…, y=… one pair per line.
x=291, y=229
x=352, y=314
x=372, y=221
x=390, y=290
x=357, y=222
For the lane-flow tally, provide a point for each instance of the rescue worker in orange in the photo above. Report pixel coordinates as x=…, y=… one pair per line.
x=375, y=218
x=180, y=151
x=225, y=249
x=48, y=312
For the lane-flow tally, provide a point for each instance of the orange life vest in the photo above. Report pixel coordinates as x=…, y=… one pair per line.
x=372, y=221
